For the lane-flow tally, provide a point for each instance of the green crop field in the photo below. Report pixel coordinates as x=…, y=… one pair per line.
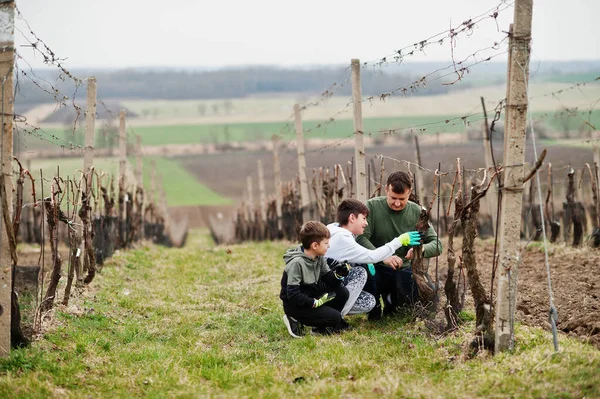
x=181, y=187
x=225, y=133
x=156, y=135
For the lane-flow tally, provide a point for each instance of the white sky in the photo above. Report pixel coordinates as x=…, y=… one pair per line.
x=134, y=33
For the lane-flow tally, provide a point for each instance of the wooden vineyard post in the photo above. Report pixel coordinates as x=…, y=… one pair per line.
x=262, y=195
x=139, y=171
x=122, y=180
x=420, y=194
x=492, y=199
x=86, y=197
x=359, y=145
x=250, y=198
x=90, y=124
x=304, y=196
x=7, y=53
x=277, y=177
x=514, y=157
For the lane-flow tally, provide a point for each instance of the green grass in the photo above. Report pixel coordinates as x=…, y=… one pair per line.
x=181, y=187
x=226, y=133
x=576, y=121
x=203, y=321
x=339, y=129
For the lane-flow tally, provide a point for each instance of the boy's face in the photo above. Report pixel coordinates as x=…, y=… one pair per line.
x=321, y=247
x=357, y=223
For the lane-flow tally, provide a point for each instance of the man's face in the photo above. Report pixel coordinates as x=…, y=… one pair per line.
x=321, y=247
x=396, y=201
x=358, y=224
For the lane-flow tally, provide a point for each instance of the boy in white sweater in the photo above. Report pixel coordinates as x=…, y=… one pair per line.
x=352, y=220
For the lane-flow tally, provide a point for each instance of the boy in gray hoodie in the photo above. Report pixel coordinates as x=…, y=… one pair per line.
x=311, y=292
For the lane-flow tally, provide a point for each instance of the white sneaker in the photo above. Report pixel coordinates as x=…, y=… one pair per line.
x=294, y=327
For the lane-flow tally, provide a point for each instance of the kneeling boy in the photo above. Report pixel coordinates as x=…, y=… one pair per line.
x=311, y=293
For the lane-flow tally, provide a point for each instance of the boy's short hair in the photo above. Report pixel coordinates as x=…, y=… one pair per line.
x=349, y=207
x=400, y=181
x=313, y=231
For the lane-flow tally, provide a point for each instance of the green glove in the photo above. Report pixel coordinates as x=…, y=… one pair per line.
x=329, y=296
x=410, y=238
x=371, y=268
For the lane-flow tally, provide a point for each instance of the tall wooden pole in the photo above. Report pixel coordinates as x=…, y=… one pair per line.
x=261, y=192
x=420, y=194
x=88, y=163
x=121, y=234
x=250, y=198
x=153, y=182
x=304, y=198
x=7, y=59
x=359, y=145
x=139, y=171
x=122, y=150
x=514, y=157
x=492, y=198
x=277, y=176
x=90, y=125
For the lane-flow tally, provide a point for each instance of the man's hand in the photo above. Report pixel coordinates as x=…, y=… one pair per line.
x=329, y=296
x=410, y=238
x=395, y=262
x=410, y=253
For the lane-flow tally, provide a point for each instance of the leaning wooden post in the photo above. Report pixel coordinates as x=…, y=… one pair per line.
x=153, y=182
x=277, y=177
x=359, y=145
x=419, y=174
x=250, y=198
x=7, y=54
x=90, y=125
x=514, y=157
x=492, y=199
x=261, y=192
x=122, y=180
x=139, y=171
x=88, y=164
x=304, y=198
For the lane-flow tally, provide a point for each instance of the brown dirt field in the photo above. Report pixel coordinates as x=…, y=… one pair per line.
x=575, y=276
x=226, y=173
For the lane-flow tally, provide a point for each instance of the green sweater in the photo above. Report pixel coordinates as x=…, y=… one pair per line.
x=385, y=224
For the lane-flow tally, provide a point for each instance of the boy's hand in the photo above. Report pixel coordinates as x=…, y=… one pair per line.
x=410, y=238
x=329, y=296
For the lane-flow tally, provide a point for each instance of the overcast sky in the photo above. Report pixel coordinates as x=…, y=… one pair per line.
x=134, y=33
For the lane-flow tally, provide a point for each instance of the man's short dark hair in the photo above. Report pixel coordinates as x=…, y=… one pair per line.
x=400, y=181
x=349, y=207
x=313, y=231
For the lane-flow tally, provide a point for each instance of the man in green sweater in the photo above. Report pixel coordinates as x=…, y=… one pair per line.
x=390, y=216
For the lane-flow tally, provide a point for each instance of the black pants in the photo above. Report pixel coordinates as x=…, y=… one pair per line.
x=327, y=315
x=399, y=283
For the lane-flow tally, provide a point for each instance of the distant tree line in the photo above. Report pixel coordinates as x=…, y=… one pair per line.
x=227, y=83
x=217, y=84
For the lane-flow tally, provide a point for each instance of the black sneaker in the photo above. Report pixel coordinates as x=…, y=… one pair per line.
x=375, y=314
x=294, y=327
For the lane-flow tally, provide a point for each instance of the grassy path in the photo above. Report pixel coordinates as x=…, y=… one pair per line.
x=205, y=321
